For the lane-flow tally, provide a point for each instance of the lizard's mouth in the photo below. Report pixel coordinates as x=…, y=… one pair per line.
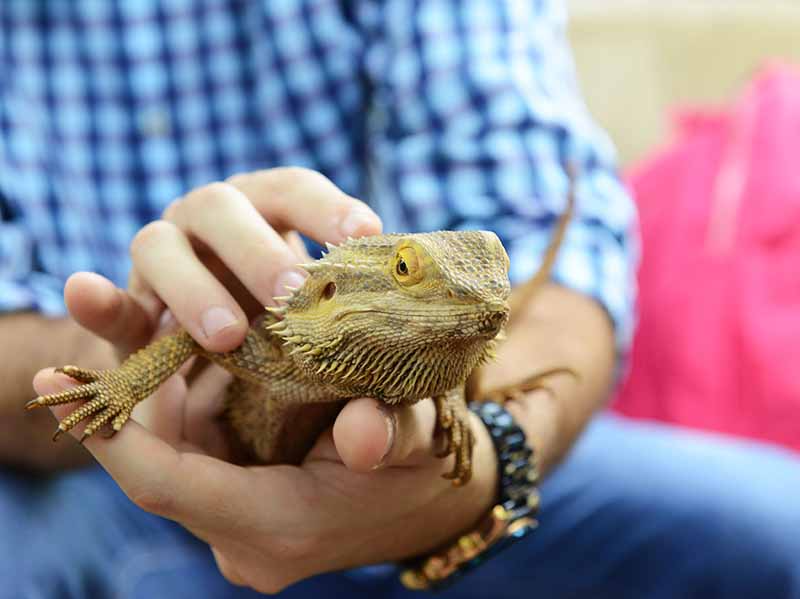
x=469, y=312
x=475, y=320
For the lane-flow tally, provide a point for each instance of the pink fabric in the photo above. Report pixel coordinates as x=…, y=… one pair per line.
x=718, y=344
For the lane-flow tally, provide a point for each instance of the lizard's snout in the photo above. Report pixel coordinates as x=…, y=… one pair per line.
x=494, y=321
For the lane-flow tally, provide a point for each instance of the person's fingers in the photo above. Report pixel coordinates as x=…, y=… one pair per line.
x=369, y=434
x=196, y=490
x=300, y=199
x=226, y=221
x=227, y=568
x=364, y=431
x=296, y=244
x=204, y=406
x=110, y=312
x=201, y=492
x=234, y=221
x=164, y=259
x=162, y=413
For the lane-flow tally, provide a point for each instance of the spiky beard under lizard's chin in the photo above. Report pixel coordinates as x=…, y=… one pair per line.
x=393, y=375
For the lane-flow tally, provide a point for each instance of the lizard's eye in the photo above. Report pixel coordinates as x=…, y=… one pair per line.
x=407, y=269
x=402, y=268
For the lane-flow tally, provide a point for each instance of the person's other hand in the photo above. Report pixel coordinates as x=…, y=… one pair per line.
x=216, y=258
x=350, y=503
x=227, y=249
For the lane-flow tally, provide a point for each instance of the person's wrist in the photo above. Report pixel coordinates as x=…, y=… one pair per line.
x=537, y=414
x=478, y=496
x=484, y=474
x=455, y=509
x=511, y=517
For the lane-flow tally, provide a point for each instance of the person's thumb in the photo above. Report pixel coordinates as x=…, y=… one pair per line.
x=371, y=434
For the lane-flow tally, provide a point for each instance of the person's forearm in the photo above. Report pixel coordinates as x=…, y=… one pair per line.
x=559, y=328
x=31, y=342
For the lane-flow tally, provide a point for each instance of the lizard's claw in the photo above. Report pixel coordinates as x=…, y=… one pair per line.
x=82, y=375
x=55, y=399
x=453, y=425
x=109, y=399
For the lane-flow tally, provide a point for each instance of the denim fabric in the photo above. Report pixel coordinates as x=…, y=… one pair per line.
x=636, y=510
x=441, y=114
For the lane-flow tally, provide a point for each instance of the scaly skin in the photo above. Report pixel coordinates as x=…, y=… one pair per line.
x=395, y=317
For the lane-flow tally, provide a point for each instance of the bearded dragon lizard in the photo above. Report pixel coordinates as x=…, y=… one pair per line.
x=395, y=317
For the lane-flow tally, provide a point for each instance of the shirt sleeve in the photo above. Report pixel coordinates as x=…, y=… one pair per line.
x=23, y=285
x=476, y=113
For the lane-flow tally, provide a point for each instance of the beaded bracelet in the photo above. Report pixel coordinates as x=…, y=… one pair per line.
x=511, y=519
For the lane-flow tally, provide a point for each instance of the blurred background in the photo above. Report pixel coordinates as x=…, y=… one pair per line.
x=702, y=99
x=660, y=55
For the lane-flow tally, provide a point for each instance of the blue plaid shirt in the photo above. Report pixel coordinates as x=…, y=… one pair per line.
x=441, y=114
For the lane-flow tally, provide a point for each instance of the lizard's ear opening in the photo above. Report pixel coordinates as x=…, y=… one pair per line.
x=328, y=291
x=408, y=264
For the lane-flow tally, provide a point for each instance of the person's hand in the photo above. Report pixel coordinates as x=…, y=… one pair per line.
x=218, y=256
x=227, y=249
x=215, y=259
x=270, y=526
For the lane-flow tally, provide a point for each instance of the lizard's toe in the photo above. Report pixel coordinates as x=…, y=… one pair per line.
x=86, y=410
x=120, y=420
x=82, y=375
x=98, y=422
x=68, y=396
x=454, y=425
x=446, y=447
x=462, y=467
x=445, y=421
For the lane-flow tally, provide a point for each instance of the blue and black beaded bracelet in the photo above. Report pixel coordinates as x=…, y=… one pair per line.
x=510, y=520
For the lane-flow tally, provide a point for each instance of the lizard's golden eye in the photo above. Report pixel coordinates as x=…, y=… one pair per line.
x=407, y=268
x=402, y=268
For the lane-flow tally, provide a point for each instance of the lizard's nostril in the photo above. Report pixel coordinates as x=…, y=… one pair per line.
x=494, y=321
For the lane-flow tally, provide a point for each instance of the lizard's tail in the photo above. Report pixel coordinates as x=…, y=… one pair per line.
x=523, y=294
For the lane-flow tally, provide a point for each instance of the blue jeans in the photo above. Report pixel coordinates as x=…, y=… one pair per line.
x=636, y=510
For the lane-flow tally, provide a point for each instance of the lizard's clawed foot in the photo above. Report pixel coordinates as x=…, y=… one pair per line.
x=453, y=426
x=109, y=398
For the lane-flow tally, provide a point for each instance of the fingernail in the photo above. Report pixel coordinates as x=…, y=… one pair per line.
x=167, y=321
x=391, y=433
x=290, y=279
x=358, y=219
x=215, y=319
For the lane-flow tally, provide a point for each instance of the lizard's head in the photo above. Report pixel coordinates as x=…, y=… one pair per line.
x=399, y=317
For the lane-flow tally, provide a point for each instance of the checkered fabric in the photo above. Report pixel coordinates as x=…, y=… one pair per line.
x=441, y=114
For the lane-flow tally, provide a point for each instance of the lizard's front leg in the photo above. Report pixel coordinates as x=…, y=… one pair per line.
x=112, y=394
x=453, y=424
